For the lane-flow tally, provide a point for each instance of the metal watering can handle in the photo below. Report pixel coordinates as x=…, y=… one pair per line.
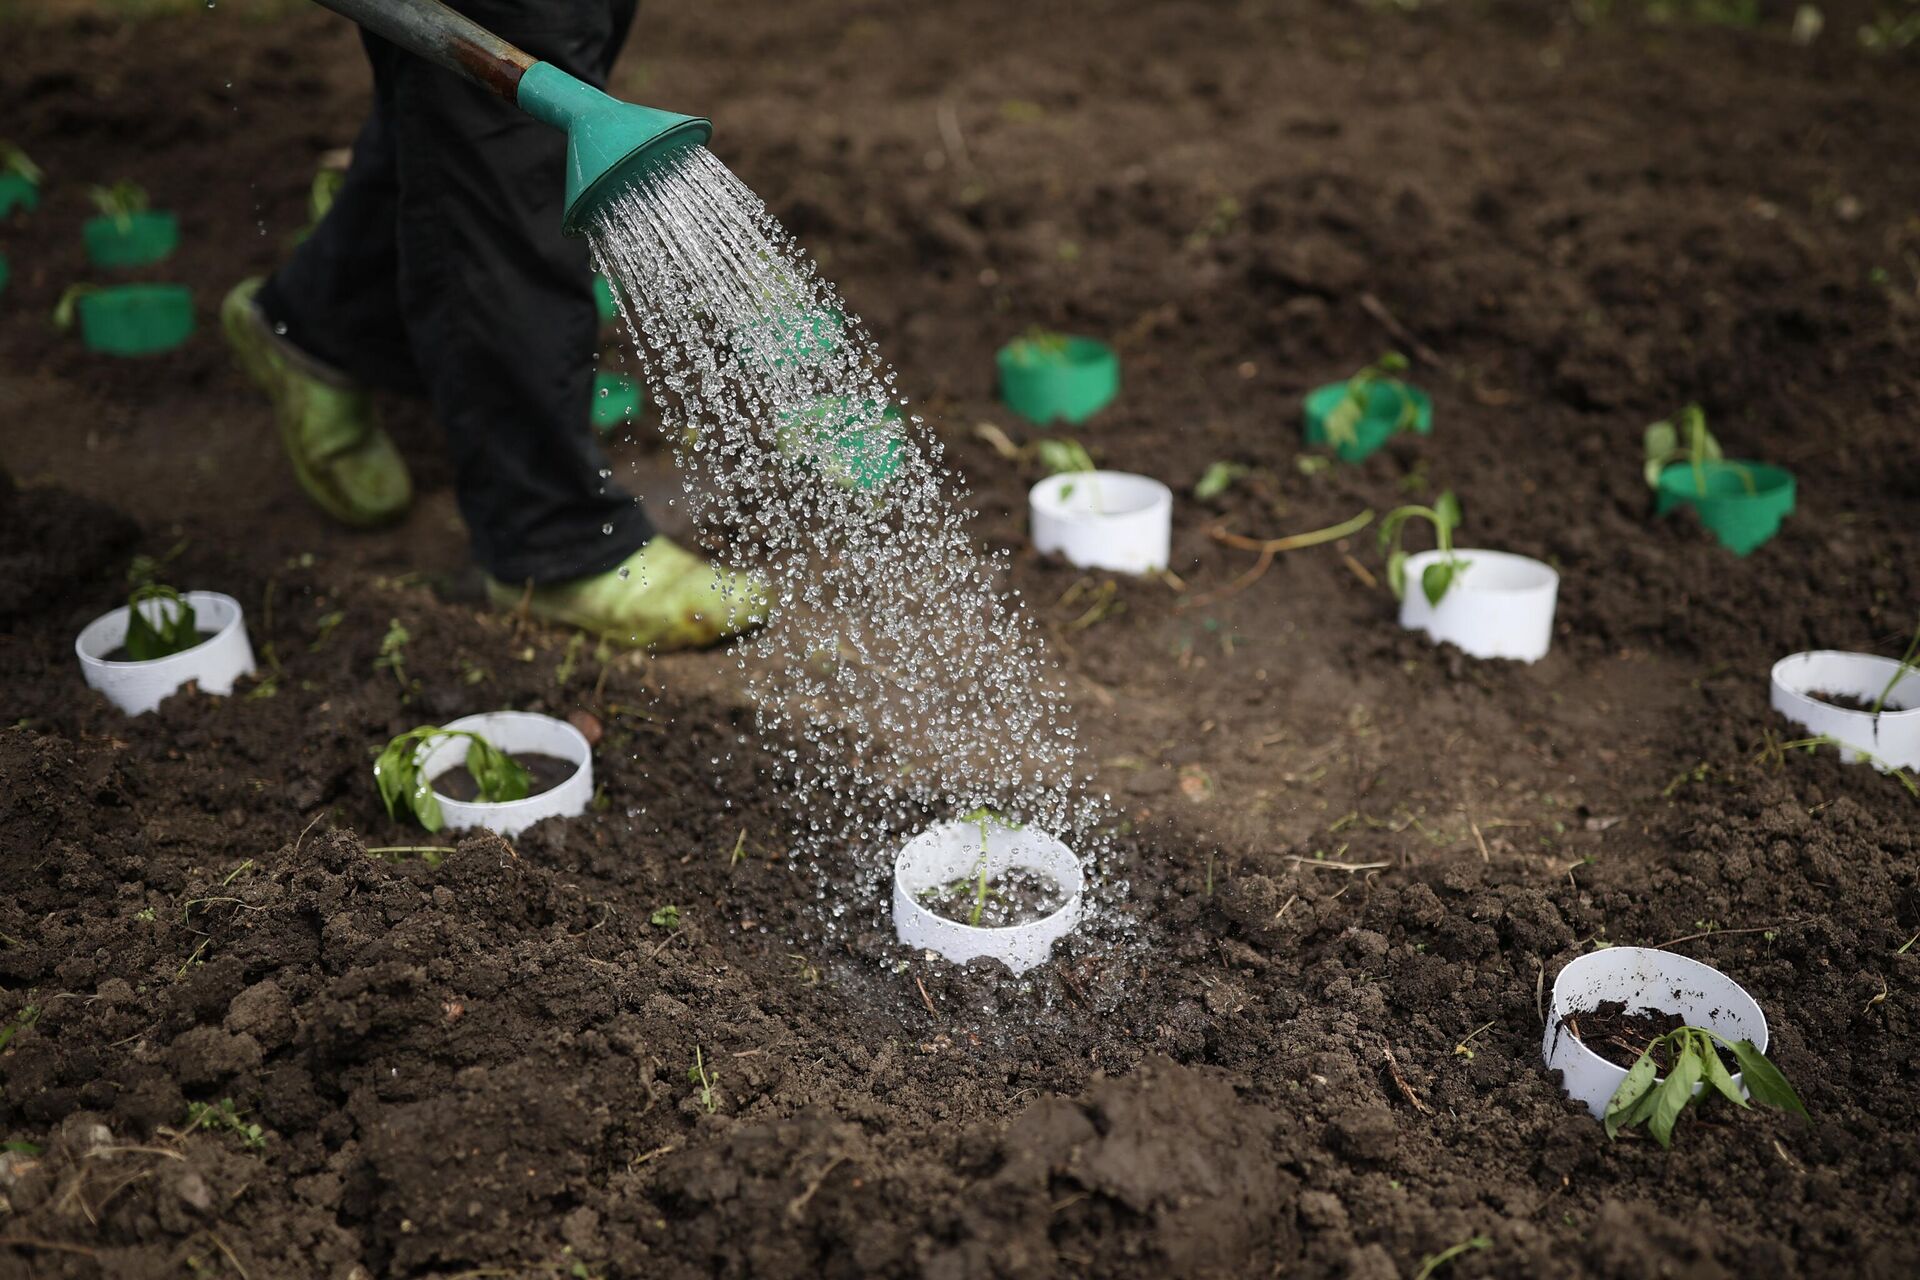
x=444, y=38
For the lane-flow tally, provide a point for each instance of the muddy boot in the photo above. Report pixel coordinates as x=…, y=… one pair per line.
x=661, y=597
x=343, y=460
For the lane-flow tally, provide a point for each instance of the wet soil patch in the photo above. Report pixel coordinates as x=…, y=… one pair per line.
x=1018, y=897
x=544, y=773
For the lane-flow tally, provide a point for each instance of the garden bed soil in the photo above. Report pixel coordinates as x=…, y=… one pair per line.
x=1622, y=1037
x=544, y=773
x=1353, y=863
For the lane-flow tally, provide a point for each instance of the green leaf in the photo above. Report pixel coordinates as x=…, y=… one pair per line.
x=1764, y=1081
x=1436, y=578
x=501, y=778
x=1632, y=1089
x=1675, y=1092
x=1217, y=479
x=1446, y=513
x=1391, y=362
x=1343, y=422
x=1718, y=1077
x=1397, y=574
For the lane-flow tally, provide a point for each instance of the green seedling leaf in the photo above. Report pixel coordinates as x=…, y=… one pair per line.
x=176, y=631
x=1061, y=457
x=14, y=160
x=1674, y=1093
x=121, y=202
x=500, y=776
x=1446, y=514
x=1435, y=579
x=667, y=917
x=1633, y=1089
x=1397, y=574
x=1764, y=1081
x=1719, y=1078
x=1217, y=479
x=1039, y=346
x=68, y=306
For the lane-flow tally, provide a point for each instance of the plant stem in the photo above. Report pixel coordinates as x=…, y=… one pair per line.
x=1906, y=664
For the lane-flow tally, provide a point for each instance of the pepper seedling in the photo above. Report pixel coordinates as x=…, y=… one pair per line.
x=1068, y=457
x=1437, y=577
x=1039, y=346
x=982, y=818
x=176, y=631
x=1343, y=421
x=1693, y=1060
x=402, y=783
x=1685, y=438
x=121, y=202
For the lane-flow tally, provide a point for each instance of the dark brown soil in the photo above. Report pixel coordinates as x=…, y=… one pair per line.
x=1846, y=700
x=1349, y=851
x=544, y=773
x=1018, y=897
x=1619, y=1036
x=121, y=654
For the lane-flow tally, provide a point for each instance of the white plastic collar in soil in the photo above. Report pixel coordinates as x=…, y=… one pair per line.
x=139, y=687
x=1893, y=737
x=1103, y=520
x=517, y=733
x=1644, y=979
x=951, y=851
x=1499, y=606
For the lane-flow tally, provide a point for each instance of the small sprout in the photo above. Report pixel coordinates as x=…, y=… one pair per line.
x=1343, y=423
x=121, y=202
x=1685, y=437
x=1067, y=457
x=69, y=304
x=1692, y=1059
x=176, y=631
x=14, y=160
x=1433, y=1262
x=324, y=629
x=1218, y=478
x=667, y=917
x=1435, y=580
x=402, y=784
x=698, y=1074
x=1039, y=346
x=393, y=651
x=739, y=849
x=205, y=1115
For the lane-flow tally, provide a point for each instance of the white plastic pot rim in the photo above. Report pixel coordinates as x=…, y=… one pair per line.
x=1499, y=605
x=951, y=851
x=516, y=733
x=138, y=687
x=1892, y=738
x=1644, y=979
x=1103, y=520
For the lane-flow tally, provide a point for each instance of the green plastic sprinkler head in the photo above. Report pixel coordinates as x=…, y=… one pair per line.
x=610, y=143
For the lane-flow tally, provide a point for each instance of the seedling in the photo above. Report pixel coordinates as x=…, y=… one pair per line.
x=1685, y=437
x=1039, y=346
x=177, y=631
x=699, y=1075
x=1218, y=478
x=1692, y=1059
x=393, y=652
x=205, y=1115
x=1435, y=580
x=667, y=917
x=68, y=306
x=1907, y=663
x=983, y=818
x=13, y=160
x=1433, y=1262
x=402, y=783
x=1343, y=422
x=121, y=202
x=1068, y=457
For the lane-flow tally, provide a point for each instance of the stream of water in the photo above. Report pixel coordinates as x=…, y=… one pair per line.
x=910, y=680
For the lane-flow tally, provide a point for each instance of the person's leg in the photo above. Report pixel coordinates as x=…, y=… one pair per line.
x=326, y=325
x=498, y=302
x=337, y=298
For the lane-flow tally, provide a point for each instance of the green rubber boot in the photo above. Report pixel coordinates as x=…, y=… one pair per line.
x=661, y=597
x=344, y=461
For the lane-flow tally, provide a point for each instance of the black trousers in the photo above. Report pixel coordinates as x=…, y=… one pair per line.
x=441, y=269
